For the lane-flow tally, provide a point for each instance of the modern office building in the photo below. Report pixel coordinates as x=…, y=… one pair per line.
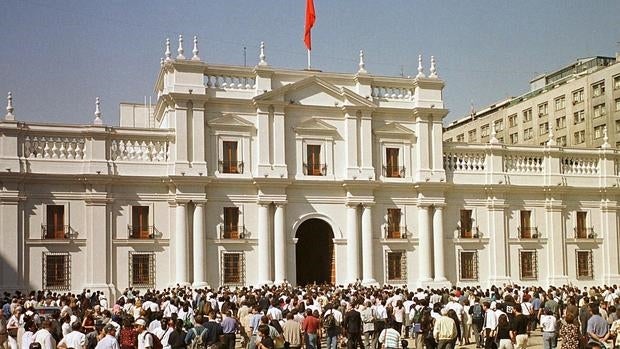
x=572, y=106
x=250, y=175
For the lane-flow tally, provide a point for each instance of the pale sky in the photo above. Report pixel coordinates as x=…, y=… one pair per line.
x=57, y=56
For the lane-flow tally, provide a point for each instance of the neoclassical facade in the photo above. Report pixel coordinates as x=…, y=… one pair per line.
x=251, y=175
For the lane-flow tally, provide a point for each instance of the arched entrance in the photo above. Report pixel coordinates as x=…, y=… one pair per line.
x=315, y=260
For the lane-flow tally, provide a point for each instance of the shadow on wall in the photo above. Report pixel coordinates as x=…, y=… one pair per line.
x=11, y=277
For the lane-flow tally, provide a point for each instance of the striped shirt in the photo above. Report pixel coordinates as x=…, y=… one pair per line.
x=390, y=338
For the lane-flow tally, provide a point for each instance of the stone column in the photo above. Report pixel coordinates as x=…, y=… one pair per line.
x=353, y=244
x=554, y=222
x=264, y=262
x=200, y=246
x=279, y=244
x=609, y=234
x=180, y=243
x=498, y=247
x=424, y=247
x=440, y=271
x=367, y=247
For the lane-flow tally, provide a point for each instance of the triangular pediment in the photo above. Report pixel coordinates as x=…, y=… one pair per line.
x=315, y=126
x=394, y=130
x=314, y=91
x=230, y=121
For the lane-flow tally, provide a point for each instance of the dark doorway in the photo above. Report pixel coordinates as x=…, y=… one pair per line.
x=315, y=253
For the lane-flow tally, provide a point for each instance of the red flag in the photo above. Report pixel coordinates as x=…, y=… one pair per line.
x=310, y=17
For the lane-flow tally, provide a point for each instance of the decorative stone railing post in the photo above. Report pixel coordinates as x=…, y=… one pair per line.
x=494, y=164
x=552, y=166
x=607, y=168
x=96, y=150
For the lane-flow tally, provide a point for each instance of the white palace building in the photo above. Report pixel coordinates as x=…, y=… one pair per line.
x=251, y=175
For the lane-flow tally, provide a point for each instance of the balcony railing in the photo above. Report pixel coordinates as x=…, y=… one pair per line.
x=230, y=166
x=528, y=232
x=232, y=233
x=57, y=232
x=392, y=232
x=471, y=233
x=585, y=233
x=315, y=169
x=394, y=171
x=148, y=232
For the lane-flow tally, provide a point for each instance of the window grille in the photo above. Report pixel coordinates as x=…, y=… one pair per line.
x=396, y=262
x=584, y=264
x=142, y=269
x=56, y=271
x=233, y=268
x=528, y=265
x=468, y=261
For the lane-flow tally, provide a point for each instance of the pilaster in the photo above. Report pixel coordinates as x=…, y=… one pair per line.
x=609, y=230
x=498, y=234
x=368, y=273
x=425, y=263
x=554, y=224
x=353, y=244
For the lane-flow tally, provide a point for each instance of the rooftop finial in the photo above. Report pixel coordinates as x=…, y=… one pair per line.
x=493, y=139
x=433, y=68
x=605, y=144
x=195, y=50
x=9, y=108
x=420, y=68
x=161, y=61
x=262, y=58
x=362, y=65
x=551, y=141
x=168, y=54
x=97, y=120
x=180, y=49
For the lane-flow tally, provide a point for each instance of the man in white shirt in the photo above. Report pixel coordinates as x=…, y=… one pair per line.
x=44, y=336
x=109, y=341
x=490, y=325
x=145, y=339
x=74, y=339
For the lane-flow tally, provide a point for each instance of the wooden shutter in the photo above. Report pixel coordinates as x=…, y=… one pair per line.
x=140, y=222
x=230, y=157
x=525, y=224
x=466, y=224
x=391, y=155
x=394, y=223
x=313, y=160
x=55, y=222
x=582, y=231
x=231, y=222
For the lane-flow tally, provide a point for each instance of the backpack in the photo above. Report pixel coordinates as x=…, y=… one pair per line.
x=417, y=317
x=477, y=312
x=156, y=341
x=330, y=321
x=197, y=342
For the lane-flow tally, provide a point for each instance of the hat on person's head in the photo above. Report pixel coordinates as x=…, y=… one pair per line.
x=109, y=328
x=140, y=322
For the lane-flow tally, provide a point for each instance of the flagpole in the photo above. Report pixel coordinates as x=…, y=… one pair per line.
x=308, y=59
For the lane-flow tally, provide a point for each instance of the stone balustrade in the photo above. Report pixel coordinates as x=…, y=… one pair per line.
x=229, y=81
x=50, y=147
x=468, y=161
x=392, y=92
x=139, y=150
x=523, y=163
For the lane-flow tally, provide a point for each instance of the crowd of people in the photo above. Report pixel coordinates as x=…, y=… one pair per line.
x=313, y=316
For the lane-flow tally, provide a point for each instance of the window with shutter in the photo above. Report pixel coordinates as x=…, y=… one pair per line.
x=526, y=230
x=392, y=167
x=55, y=227
x=140, y=222
x=313, y=160
x=231, y=222
x=393, y=227
x=230, y=163
x=581, y=229
x=466, y=224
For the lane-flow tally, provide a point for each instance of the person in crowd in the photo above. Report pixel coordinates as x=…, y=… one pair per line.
x=520, y=326
x=368, y=327
x=176, y=340
x=548, y=322
x=230, y=327
x=74, y=339
x=128, y=336
x=598, y=328
x=390, y=336
x=352, y=326
x=505, y=334
x=44, y=336
x=445, y=331
x=569, y=332
x=265, y=342
x=291, y=330
x=310, y=328
x=490, y=325
x=109, y=341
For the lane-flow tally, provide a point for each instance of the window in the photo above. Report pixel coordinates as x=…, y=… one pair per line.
x=599, y=110
x=528, y=133
x=230, y=163
x=579, y=137
x=139, y=228
x=512, y=120
x=142, y=269
x=543, y=109
x=616, y=82
x=617, y=104
x=579, y=117
x=499, y=125
x=526, y=231
x=560, y=123
x=468, y=265
x=392, y=168
x=577, y=96
x=581, y=230
x=484, y=130
x=393, y=225
x=527, y=115
x=528, y=265
x=514, y=138
x=233, y=268
x=584, y=264
x=561, y=141
x=55, y=222
x=543, y=128
x=471, y=136
x=313, y=165
x=56, y=271
x=466, y=224
x=617, y=126
x=560, y=103
x=460, y=138
x=598, y=89
x=599, y=131
x=231, y=223
x=396, y=266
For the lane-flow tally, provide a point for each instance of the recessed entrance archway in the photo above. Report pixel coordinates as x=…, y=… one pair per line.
x=315, y=259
